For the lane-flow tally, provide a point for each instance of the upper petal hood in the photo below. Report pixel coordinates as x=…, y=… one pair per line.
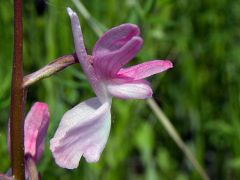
x=115, y=38
x=115, y=49
x=83, y=131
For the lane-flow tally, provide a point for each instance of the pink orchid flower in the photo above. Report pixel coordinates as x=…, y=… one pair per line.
x=84, y=130
x=35, y=130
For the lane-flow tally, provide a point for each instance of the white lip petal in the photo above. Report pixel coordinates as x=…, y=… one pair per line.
x=83, y=131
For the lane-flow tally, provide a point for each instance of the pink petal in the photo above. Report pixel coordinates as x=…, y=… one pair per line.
x=115, y=38
x=83, y=58
x=107, y=64
x=35, y=130
x=130, y=90
x=146, y=69
x=83, y=131
x=78, y=37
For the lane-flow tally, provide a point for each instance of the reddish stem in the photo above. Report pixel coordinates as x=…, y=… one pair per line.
x=17, y=98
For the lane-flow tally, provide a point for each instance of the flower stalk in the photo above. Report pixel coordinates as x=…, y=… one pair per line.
x=50, y=69
x=17, y=98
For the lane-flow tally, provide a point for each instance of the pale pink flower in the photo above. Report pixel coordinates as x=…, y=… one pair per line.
x=84, y=130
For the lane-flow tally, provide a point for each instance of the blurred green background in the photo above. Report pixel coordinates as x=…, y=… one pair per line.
x=200, y=95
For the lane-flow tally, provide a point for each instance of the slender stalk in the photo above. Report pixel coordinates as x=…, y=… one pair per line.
x=50, y=69
x=17, y=98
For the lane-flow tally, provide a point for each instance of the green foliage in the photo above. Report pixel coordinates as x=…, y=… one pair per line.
x=201, y=94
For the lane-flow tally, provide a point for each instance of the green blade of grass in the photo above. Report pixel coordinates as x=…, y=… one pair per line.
x=176, y=137
x=91, y=21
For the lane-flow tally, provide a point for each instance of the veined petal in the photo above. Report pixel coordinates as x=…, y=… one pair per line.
x=130, y=90
x=35, y=130
x=115, y=38
x=83, y=131
x=107, y=64
x=146, y=69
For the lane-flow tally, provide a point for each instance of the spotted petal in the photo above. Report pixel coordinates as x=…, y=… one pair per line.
x=83, y=131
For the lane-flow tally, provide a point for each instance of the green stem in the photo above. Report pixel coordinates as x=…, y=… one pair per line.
x=176, y=137
x=17, y=98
